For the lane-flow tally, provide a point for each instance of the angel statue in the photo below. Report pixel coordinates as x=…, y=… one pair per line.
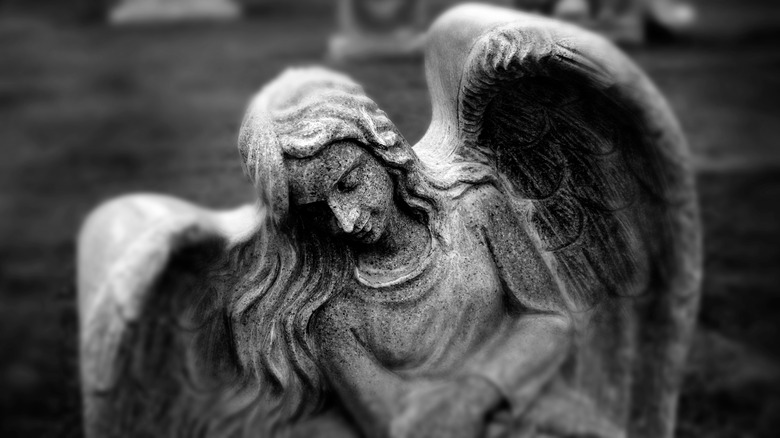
x=530, y=268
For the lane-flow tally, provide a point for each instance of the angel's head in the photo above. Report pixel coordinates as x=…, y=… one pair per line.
x=343, y=190
x=320, y=152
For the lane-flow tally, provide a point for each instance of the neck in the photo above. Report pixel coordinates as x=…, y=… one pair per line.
x=405, y=239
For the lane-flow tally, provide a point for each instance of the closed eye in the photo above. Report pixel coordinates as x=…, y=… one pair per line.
x=350, y=181
x=346, y=185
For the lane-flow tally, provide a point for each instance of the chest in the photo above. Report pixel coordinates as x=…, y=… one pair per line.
x=436, y=318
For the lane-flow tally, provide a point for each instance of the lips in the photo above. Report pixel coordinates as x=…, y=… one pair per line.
x=364, y=229
x=364, y=232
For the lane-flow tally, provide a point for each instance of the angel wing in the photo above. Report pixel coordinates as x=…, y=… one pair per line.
x=595, y=161
x=157, y=355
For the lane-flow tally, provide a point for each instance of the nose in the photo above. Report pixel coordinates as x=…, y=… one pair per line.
x=345, y=215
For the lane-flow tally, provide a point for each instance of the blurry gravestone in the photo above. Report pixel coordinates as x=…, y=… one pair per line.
x=622, y=21
x=378, y=28
x=143, y=11
x=618, y=20
x=673, y=15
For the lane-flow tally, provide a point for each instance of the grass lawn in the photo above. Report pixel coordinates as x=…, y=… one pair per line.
x=88, y=113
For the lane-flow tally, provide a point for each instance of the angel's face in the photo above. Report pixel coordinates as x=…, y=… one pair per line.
x=343, y=190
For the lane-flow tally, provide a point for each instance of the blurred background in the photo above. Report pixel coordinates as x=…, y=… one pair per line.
x=92, y=106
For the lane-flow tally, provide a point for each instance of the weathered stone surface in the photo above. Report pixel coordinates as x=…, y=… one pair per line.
x=529, y=268
x=150, y=11
x=370, y=29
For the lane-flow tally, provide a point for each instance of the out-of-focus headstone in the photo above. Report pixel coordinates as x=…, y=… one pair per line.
x=145, y=11
x=619, y=20
x=379, y=29
x=671, y=14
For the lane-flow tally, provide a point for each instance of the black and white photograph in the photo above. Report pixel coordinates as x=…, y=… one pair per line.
x=390, y=218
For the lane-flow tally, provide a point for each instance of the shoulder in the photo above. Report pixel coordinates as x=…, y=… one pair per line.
x=479, y=198
x=485, y=205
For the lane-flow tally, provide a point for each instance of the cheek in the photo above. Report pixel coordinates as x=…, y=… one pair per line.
x=381, y=197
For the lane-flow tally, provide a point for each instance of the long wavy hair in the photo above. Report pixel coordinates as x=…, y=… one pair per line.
x=288, y=271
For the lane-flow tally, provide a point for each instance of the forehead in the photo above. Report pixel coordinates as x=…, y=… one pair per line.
x=310, y=178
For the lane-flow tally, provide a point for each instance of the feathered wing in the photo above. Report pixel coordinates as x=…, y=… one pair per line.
x=157, y=354
x=592, y=154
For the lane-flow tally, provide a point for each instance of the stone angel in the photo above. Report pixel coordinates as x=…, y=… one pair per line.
x=529, y=268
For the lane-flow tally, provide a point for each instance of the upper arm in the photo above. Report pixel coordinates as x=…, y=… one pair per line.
x=369, y=390
x=524, y=274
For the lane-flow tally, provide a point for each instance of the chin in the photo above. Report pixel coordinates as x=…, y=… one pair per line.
x=371, y=237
